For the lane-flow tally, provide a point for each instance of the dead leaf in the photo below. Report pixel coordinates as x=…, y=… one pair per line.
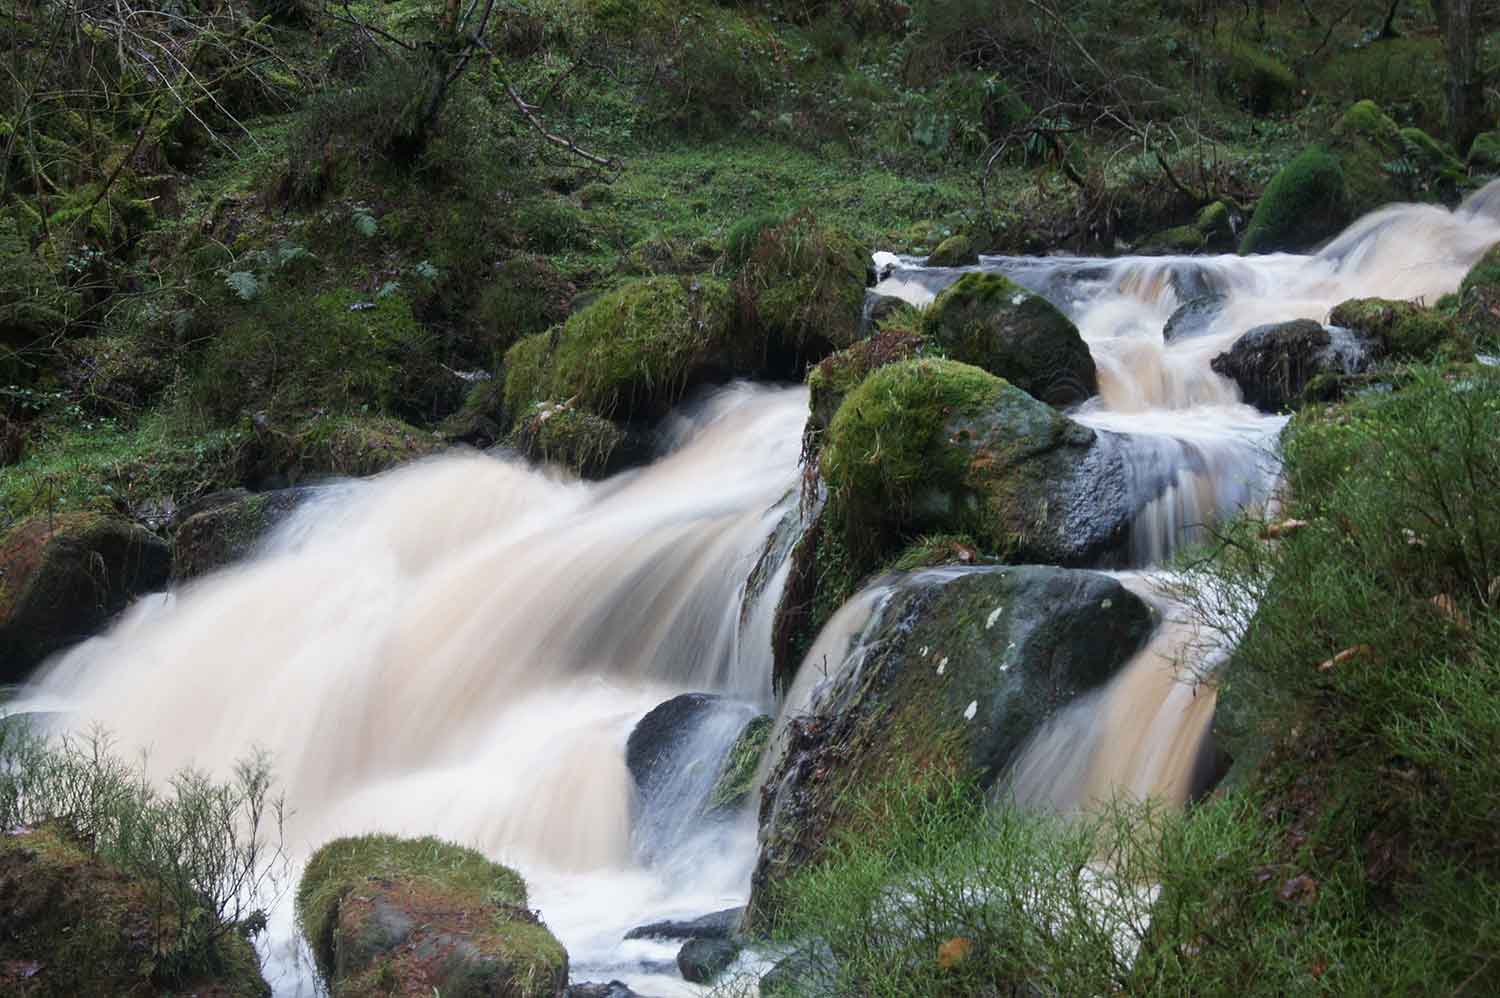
x=954, y=952
x=1300, y=889
x=1448, y=607
x=1276, y=531
x=1345, y=656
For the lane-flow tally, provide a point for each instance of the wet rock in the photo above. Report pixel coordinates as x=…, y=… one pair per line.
x=649, y=749
x=718, y=925
x=932, y=446
x=955, y=251
x=588, y=445
x=1273, y=364
x=962, y=667
x=589, y=989
x=62, y=577
x=993, y=323
x=230, y=530
x=809, y=972
x=878, y=308
x=1402, y=329
x=72, y=924
x=423, y=916
x=701, y=961
x=1193, y=316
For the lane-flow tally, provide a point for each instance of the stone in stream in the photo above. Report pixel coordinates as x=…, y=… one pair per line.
x=62, y=577
x=993, y=323
x=701, y=961
x=649, y=750
x=384, y=914
x=1274, y=364
x=716, y=925
x=230, y=529
x=1193, y=316
x=590, y=989
x=963, y=667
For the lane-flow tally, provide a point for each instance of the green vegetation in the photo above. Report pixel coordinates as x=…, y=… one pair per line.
x=1304, y=202
x=737, y=775
x=112, y=885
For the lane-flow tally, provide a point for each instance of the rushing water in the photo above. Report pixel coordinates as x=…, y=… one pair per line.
x=462, y=646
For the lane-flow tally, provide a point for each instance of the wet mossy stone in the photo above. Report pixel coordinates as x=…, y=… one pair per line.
x=657, y=736
x=633, y=353
x=482, y=418
x=1479, y=301
x=1484, y=154
x=1404, y=329
x=386, y=915
x=737, y=775
x=1303, y=203
x=836, y=375
x=588, y=445
x=955, y=251
x=73, y=924
x=932, y=446
x=993, y=323
x=963, y=666
x=1273, y=364
x=335, y=446
x=1179, y=239
x=223, y=535
x=62, y=577
x=804, y=283
x=702, y=961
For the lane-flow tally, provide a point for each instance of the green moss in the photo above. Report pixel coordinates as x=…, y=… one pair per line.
x=1260, y=81
x=838, y=374
x=955, y=251
x=743, y=236
x=558, y=433
x=737, y=774
x=553, y=225
x=1304, y=202
x=1438, y=163
x=1484, y=154
x=993, y=323
x=1405, y=330
x=528, y=369
x=341, y=445
x=804, y=282
x=1180, y=239
x=664, y=255
x=1479, y=301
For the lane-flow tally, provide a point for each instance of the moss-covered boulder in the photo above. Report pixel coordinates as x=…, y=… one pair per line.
x=1273, y=364
x=955, y=251
x=74, y=925
x=804, y=283
x=1303, y=203
x=633, y=353
x=1484, y=154
x=937, y=446
x=1479, y=301
x=209, y=540
x=1403, y=329
x=962, y=667
x=386, y=915
x=993, y=323
x=1179, y=239
x=836, y=375
x=344, y=446
x=62, y=577
x=588, y=445
x=737, y=774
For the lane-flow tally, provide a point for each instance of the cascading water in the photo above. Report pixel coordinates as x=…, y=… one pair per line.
x=462, y=646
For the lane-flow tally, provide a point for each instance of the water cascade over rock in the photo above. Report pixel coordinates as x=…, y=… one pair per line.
x=463, y=646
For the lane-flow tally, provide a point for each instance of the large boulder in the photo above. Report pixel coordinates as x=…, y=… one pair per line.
x=1194, y=316
x=209, y=540
x=62, y=577
x=840, y=373
x=1273, y=364
x=1302, y=204
x=422, y=916
x=962, y=667
x=993, y=323
x=936, y=446
x=955, y=251
x=73, y=924
x=1402, y=329
x=633, y=352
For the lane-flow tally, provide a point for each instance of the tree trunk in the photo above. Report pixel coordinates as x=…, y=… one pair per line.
x=1465, y=85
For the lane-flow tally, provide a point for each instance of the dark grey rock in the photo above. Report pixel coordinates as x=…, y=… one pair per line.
x=589, y=989
x=649, y=749
x=1274, y=364
x=1192, y=317
x=718, y=925
x=703, y=960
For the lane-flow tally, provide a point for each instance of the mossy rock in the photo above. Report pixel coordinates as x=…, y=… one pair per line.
x=482, y=418
x=1304, y=202
x=1181, y=239
x=803, y=282
x=1484, y=154
x=62, y=577
x=937, y=446
x=1366, y=141
x=343, y=446
x=226, y=533
x=632, y=353
x=1479, y=302
x=991, y=322
x=1404, y=329
x=840, y=373
x=1216, y=223
x=744, y=235
x=559, y=433
x=737, y=775
x=955, y=251
x=1274, y=364
x=961, y=668
x=386, y=915
x=74, y=925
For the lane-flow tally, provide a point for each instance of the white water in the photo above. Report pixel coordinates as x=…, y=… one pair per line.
x=462, y=647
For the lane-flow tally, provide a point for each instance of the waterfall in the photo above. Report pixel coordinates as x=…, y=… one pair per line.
x=462, y=646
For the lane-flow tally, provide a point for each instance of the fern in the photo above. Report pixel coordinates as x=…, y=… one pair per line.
x=243, y=283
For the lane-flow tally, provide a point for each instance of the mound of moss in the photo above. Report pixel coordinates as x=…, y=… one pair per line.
x=993, y=323
x=955, y=251
x=343, y=446
x=1479, y=301
x=836, y=375
x=73, y=925
x=1404, y=329
x=560, y=433
x=1304, y=202
x=803, y=282
x=633, y=353
x=63, y=576
x=387, y=915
